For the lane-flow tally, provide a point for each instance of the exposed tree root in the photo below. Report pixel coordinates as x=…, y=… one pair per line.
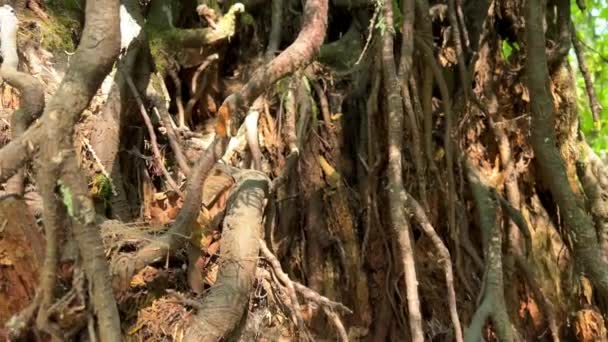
x=225, y=303
x=274, y=39
x=299, y=54
x=296, y=312
x=493, y=302
x=399, y=221
x=91, y=63
x=125, y=266
x=444, y=257
x=594, y=179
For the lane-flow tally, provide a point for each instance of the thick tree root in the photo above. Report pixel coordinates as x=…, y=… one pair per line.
x=226, y=302
x=399, y=221
x=299, y=54
x=493, y=302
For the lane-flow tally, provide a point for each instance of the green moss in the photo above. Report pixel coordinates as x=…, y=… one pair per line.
x=247, y=20
x=158, y=50
x=102, y=189
x=56, y=32
x=66, y=195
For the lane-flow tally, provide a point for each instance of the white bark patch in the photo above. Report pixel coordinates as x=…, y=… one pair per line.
x=129, y=28
x=8, y=37
x=246, y=133
x=167, y=10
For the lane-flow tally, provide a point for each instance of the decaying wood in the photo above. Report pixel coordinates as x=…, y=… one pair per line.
x=21, y=258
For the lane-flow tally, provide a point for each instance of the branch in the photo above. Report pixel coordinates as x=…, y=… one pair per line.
x=594, y=103
x=157, y=155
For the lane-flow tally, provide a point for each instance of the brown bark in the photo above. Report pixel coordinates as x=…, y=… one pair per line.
x=107, y=138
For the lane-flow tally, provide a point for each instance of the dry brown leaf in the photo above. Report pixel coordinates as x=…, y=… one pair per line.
x=589, y=326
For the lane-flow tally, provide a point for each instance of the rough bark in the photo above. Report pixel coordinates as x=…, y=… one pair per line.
x=106, y=139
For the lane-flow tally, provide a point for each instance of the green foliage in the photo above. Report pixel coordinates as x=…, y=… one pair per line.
x=101, y=187
x=508, y=48
x=592, y=28
x=397, y=16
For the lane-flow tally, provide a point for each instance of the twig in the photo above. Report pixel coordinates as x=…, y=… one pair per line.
x=181, y=159
x=195, y=89
x=372, y=23
x=296, y=314
x=596, y=108
x=314, y=296
x=323, y=103
x=335, y=319
x=99, y=164
x=182, y=299
x=178, y=98
x=148, y=122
